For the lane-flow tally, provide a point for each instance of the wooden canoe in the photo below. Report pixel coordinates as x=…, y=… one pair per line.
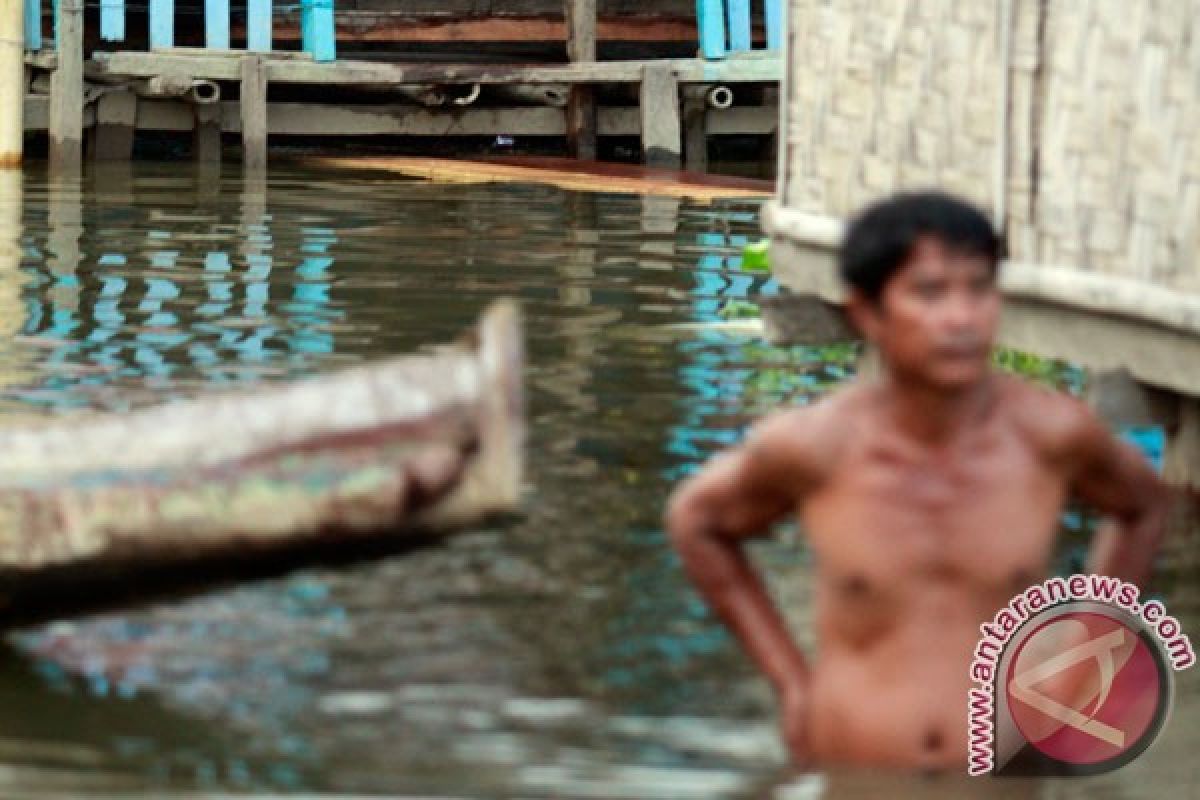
x=413, y=443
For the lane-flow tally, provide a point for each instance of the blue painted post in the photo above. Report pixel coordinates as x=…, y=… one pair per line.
x=216, y=24
x=33, y=25
x=774, y=15
x=739, y=25
x=306, y=26
x=258, y=26
x=710, y=20
x=54, y=22
x=162, y=23
x=317, y=29
x=112, y=20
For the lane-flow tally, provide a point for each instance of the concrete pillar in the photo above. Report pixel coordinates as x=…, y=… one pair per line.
x=661, y=130
x=206, y=136
x=253, y=106
x=695, y=117
x=116, y=121
x=66, y=91
x=581, y=101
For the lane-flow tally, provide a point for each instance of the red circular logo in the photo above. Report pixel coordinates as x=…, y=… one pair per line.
x=1086, y=689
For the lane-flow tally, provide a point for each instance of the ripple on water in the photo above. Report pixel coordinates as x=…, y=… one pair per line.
x=558, y=655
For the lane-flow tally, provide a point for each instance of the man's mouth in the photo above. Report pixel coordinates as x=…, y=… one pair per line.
x=961, y=352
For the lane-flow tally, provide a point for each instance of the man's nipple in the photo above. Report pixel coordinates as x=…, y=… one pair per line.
x=855, y=585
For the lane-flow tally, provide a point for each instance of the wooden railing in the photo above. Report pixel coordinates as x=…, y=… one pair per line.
x=318, y=36
x=725, y=26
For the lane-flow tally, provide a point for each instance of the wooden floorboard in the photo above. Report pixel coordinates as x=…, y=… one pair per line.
x=588, y=176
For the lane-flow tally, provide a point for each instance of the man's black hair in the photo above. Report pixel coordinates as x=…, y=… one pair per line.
x=880, y=239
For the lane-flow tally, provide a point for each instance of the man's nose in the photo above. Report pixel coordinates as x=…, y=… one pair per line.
x=962, y=311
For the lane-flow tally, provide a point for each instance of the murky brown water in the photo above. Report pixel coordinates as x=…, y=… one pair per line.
x=560, y=655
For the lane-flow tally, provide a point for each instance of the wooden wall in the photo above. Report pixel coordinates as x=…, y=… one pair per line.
x=1073, y=119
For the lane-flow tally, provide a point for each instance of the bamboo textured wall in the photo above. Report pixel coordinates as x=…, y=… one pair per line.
x=1093, y=145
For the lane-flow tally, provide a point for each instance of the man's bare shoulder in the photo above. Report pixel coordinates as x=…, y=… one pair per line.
x=809, y=438
x=1055, y=423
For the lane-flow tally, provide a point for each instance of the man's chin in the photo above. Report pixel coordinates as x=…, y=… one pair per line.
x=958, y=377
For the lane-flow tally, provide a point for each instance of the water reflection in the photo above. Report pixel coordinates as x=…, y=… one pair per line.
x=183, y=300
x=559, y=655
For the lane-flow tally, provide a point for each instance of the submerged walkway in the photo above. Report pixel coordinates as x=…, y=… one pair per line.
x=566, y=173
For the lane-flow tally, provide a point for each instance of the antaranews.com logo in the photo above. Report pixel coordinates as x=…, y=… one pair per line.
x=1074, y=677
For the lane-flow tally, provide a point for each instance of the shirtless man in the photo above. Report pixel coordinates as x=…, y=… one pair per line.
x=929, y=496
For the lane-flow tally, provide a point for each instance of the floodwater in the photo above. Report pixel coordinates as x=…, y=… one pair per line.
x=560, y=654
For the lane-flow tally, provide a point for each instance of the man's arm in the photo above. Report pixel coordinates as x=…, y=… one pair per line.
x=1115, y=478
x=739, y=495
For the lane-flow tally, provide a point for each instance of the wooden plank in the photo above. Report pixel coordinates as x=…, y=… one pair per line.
x=564, y=173
x=661, y=131
x=287, y=70
x=754, y=67
x=310, y=119
x=216, y=24
x=66, y=91
x=162, y=23
x=739, y=25
x=33, y=25
x=116, y=120
x=391, y=26
x=253, y=107
x=217, y=53
x=710, y=16
x=774, y=21
x=304, y=119
x=112, y=20
x=258, y=26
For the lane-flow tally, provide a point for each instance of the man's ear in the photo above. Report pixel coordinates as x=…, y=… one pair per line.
x=863, y=314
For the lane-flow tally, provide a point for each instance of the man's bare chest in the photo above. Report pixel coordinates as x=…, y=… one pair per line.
x=988, y=523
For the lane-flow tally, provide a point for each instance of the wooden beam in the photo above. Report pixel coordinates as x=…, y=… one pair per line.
x=366, y=73
x=661, y=133
x=253, y=106
x=311, y=119
x=581, y=102
x=374, y=26
x=66, y=91
x=116, y=121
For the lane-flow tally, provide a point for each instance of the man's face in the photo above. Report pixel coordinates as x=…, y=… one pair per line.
x=937, y=316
